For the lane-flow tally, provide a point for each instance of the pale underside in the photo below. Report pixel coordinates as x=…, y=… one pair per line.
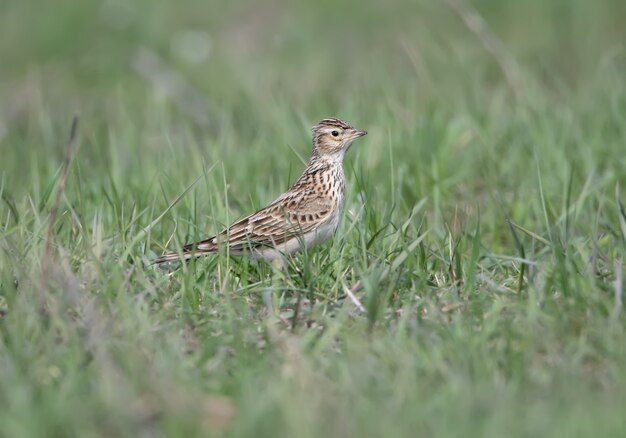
x=272, y=242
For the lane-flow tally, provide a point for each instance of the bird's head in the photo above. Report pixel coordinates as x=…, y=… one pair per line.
x=333, y=137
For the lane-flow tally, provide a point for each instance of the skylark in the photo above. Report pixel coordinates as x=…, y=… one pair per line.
x=307, y=214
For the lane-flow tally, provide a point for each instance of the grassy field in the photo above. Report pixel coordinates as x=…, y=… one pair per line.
x=483, y=218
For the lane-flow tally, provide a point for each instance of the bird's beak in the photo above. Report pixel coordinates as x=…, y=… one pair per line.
x=358, y=133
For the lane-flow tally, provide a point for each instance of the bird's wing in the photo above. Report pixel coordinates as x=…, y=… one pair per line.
x=295, y=213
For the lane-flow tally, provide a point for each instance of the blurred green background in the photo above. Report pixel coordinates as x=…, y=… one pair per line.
x=260, y=66
x=480, y=115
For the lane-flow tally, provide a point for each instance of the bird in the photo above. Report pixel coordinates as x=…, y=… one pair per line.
x=305, y=216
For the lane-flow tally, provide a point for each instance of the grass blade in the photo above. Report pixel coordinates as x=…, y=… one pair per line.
x=148, y=227
x=522, y=252
x=621, y=214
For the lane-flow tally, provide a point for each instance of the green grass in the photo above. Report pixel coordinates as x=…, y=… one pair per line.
x=483, y=219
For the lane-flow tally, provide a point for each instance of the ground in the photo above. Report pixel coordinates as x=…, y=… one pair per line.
x=484, y=218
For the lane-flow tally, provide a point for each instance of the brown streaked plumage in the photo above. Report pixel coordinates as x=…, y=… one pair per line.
x=305, y=215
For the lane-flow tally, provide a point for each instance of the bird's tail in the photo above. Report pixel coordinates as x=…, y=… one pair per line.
x=174, y=256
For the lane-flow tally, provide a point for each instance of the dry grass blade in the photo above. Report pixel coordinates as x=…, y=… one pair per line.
x=476, y=24
x=530, y=233
x=47, y=255
x=353, y=297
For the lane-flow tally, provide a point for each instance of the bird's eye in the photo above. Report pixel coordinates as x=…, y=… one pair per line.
x=335, y=133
